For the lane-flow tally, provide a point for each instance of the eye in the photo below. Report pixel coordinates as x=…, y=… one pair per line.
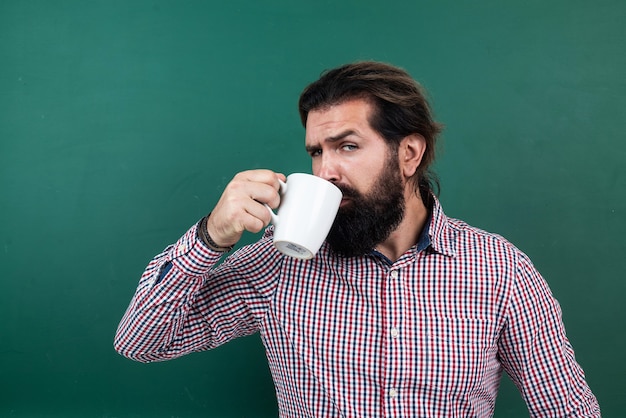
x=316, y=152
x=349, y=147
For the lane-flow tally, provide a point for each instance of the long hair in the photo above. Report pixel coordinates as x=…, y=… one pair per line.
x=399, y=104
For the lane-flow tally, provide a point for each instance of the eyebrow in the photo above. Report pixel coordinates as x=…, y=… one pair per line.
x=331, y=139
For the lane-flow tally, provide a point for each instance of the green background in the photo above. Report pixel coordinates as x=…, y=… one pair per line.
x=121, y=122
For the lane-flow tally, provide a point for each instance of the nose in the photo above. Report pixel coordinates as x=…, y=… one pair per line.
x=326, y=168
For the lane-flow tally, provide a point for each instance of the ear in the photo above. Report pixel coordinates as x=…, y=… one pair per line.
x=410, y=153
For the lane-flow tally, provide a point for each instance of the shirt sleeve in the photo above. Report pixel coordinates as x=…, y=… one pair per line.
x=537, y=355
x=186, y=302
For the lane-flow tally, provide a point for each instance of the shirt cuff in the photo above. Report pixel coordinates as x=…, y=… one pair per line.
x=190, y=255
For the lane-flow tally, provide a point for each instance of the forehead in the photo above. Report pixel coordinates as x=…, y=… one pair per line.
x=329, y=121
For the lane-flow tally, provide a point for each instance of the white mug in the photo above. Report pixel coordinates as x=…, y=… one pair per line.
x=307, y=210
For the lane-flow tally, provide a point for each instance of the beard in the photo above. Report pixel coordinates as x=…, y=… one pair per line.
x=370, y=218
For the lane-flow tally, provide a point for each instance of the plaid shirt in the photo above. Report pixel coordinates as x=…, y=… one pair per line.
x=426, y=336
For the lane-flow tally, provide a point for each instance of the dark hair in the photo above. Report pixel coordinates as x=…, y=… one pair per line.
x=399, y=102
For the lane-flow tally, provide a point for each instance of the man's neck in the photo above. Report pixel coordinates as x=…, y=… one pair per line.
x=408, y=232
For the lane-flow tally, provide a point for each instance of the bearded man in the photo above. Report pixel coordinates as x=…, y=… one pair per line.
x=404, y=311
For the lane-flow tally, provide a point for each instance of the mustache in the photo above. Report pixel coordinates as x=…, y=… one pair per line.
x=348, y=191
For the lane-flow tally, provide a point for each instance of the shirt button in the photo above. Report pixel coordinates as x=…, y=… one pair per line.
x=393, y=393
x=394, y=274
x=182, y=247
x=395, y=332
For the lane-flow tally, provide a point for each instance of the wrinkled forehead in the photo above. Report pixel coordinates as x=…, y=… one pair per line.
x=340, y=120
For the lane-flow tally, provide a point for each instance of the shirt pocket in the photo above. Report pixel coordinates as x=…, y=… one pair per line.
x=459, y=354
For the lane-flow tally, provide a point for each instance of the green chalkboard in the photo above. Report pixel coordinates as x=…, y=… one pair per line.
x=121, y=122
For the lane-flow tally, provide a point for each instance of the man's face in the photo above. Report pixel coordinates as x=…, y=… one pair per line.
x=348, y=152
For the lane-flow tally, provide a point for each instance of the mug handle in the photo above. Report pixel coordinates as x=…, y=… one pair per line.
x=283, y=190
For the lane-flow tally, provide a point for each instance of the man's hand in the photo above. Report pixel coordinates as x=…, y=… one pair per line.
x=241, y=207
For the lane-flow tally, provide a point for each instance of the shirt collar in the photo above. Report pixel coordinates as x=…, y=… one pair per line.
x=435, y=234
x=442, y=236
x=422, y=243
x=424, y=240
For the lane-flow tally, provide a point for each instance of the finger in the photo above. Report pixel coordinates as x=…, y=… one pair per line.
x=262, y=176
x=258, y=176
x=241, y=214
x=264, y=193
x=258, y=218
x=241, y=206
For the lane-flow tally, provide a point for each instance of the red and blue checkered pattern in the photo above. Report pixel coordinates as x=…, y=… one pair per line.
x=426, y=336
